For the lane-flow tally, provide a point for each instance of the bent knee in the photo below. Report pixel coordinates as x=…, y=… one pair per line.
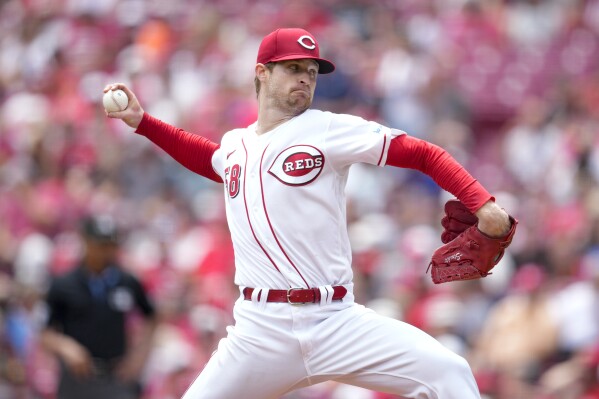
x=460, y=365
x=453, y=363
x=439, y=362
x=453, y=375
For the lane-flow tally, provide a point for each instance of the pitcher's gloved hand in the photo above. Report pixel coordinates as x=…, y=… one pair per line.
x=467, y=252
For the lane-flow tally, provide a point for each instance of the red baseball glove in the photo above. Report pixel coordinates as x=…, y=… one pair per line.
x=467, y=252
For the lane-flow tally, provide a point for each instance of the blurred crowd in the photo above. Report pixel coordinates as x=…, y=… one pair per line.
x=509, y=87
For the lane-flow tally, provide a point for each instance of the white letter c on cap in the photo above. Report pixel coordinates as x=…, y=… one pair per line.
x=306, y=37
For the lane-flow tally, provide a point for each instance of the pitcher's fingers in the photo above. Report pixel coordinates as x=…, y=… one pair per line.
x=115, y=86
x=116, y=114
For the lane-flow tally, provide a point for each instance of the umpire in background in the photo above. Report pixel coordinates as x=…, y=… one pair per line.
x=86, y=327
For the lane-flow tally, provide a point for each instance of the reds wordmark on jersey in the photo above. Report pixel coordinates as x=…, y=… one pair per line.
x=275, y=181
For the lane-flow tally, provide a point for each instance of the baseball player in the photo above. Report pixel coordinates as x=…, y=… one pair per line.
x=296, y=322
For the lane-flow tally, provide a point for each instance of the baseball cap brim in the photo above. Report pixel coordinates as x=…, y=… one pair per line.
x=324, y=66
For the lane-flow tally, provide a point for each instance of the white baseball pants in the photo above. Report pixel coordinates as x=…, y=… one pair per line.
x=275, y=348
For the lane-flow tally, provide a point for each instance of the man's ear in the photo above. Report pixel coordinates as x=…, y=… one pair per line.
x=261, y=71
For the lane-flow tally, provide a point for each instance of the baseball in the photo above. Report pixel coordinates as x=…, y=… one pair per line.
x=115, y=100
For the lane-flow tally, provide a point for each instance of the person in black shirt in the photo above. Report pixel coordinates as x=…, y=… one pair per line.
x=86, y=327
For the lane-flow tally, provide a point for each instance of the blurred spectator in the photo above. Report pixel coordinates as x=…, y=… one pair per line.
x=575, y=307
x=524, y=320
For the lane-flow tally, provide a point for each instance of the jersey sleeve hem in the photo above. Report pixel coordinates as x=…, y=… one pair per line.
x=393, y=133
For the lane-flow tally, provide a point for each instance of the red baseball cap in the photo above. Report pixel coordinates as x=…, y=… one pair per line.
x=292, y=44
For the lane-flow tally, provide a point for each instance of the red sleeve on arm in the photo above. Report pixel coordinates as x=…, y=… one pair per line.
x=410, y=152
x=190, y=150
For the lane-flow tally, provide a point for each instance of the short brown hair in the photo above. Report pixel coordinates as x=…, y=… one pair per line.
x=269, y=66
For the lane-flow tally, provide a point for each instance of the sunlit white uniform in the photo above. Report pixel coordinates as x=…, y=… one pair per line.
x=285, y=205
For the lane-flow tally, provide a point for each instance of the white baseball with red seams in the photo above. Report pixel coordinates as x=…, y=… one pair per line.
x=115, y=100
x=285, y=205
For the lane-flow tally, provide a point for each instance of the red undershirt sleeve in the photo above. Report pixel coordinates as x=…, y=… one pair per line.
x=190, y=150
x=413, y=153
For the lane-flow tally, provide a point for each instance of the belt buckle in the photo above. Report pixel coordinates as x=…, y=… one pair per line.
x=289, y=297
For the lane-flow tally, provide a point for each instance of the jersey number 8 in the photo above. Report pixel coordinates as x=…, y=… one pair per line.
x=232, y=175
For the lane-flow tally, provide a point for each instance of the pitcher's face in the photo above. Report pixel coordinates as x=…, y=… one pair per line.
x=291, y=84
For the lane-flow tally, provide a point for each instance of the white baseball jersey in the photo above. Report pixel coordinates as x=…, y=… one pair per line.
x=285, y=205
x=285, y=199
